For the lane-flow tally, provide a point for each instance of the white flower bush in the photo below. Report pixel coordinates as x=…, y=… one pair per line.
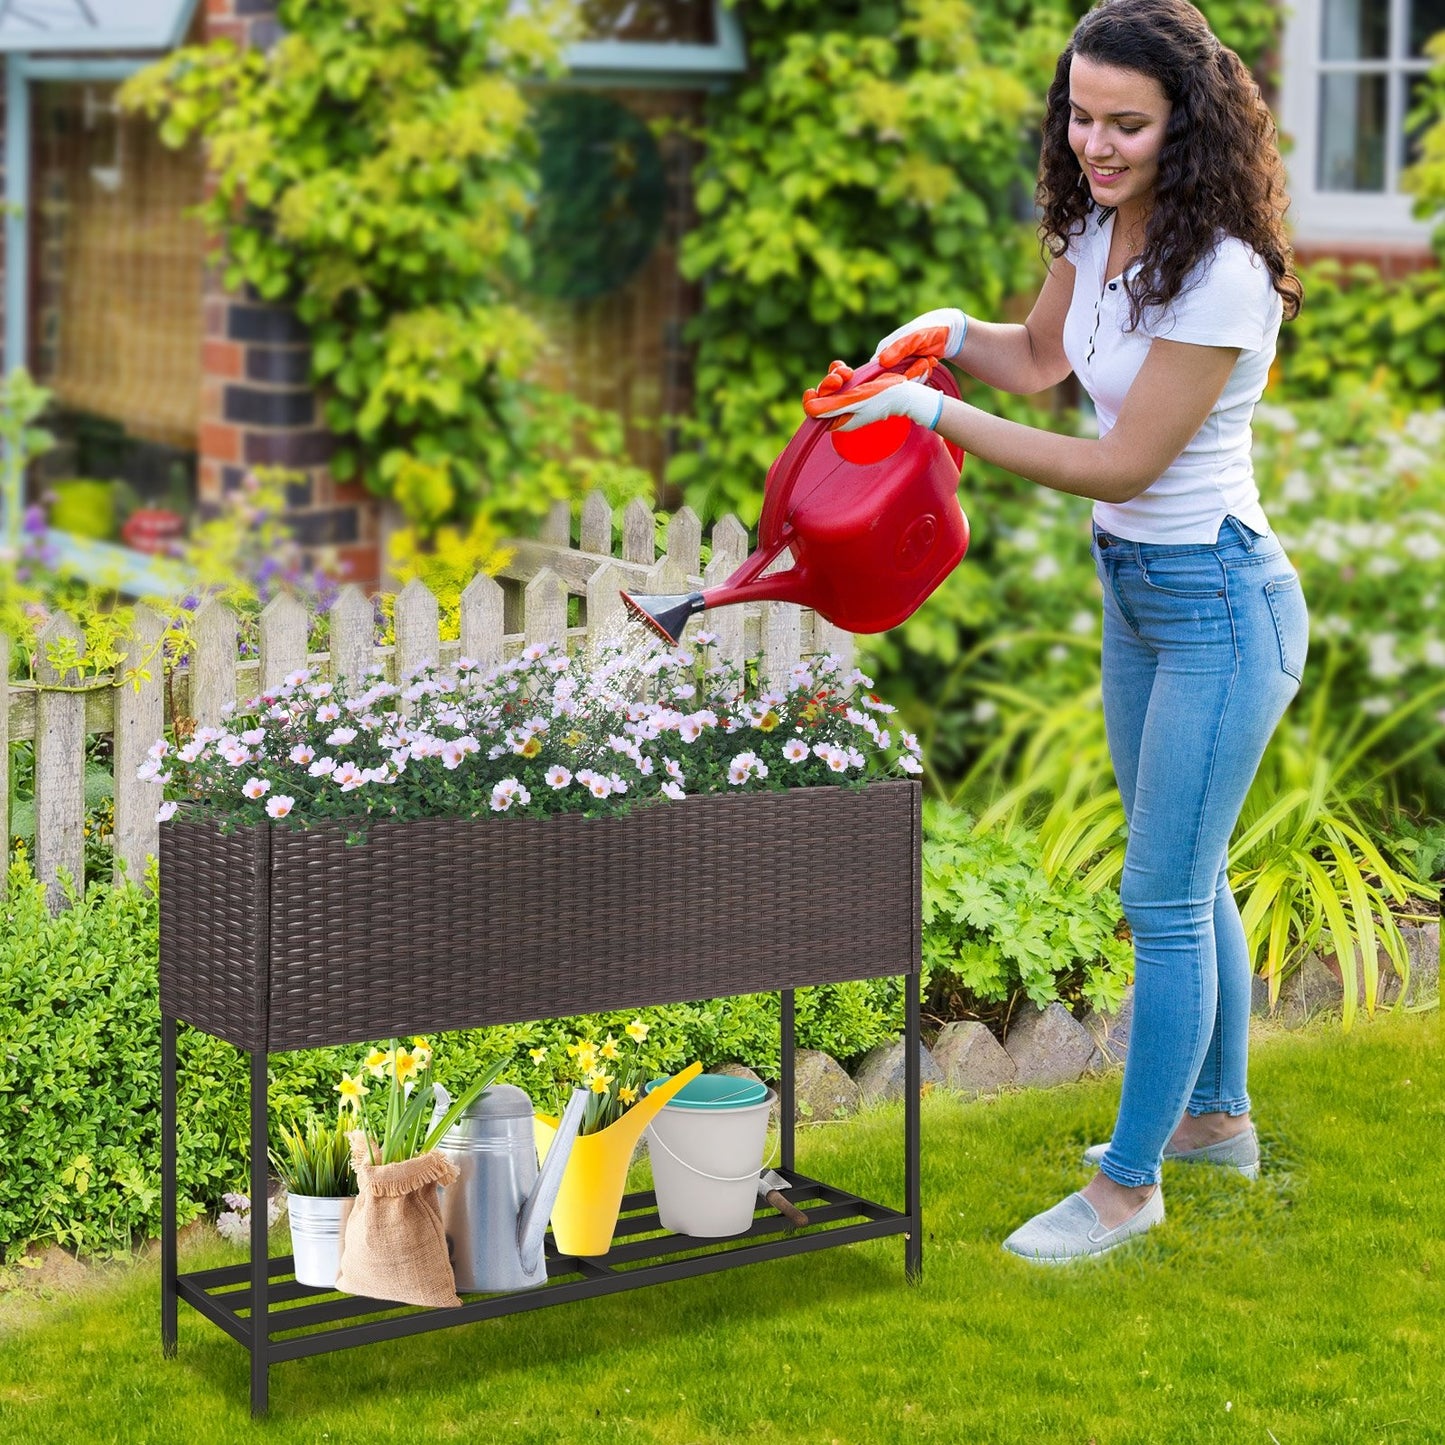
x=541, y=733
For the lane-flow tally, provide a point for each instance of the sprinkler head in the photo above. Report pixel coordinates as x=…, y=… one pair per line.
x=668, y=615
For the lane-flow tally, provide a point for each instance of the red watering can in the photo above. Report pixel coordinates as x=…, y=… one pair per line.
x=871, y=517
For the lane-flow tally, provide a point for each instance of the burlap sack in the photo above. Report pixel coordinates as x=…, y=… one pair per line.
x=393, y=1245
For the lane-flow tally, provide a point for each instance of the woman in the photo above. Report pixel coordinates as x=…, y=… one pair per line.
x=1162, y=198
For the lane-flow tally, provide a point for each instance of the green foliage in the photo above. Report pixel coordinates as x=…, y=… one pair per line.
x=996, y=925
x=79, y=1069
x=314, y=1158
x=874, y=163
x=1358, y=330
x=375, y=170
x=1426, y=178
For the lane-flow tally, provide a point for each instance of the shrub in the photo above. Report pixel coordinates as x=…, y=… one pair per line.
x=997, y=926
x=1358, y=330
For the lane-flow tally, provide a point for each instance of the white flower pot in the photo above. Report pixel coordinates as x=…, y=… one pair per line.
x=316, y=1225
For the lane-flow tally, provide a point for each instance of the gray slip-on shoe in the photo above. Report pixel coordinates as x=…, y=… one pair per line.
x=1071, y=1230
x=1240, y=1153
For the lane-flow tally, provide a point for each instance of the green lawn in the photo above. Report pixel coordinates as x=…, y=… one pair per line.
x=1309, y=1307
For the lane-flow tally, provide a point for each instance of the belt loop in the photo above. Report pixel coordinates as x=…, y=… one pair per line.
x=1242, y=532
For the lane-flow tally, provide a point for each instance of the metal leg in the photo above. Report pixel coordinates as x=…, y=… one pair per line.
x=912, y=1189
x=785, y=1083
x=260, y=1329
x=169, y=1269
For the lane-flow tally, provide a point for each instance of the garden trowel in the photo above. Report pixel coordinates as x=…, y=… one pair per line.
x=770, y=1187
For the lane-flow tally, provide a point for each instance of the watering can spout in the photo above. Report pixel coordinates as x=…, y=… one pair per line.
x=532, y=1221
x=665, y=615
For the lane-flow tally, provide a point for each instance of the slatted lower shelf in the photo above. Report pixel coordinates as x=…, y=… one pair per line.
x=302, y=1320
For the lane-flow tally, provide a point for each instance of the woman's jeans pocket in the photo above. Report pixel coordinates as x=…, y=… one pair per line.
x=1291, y=623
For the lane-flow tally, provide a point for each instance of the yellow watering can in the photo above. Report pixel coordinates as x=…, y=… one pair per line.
x=585, y=1212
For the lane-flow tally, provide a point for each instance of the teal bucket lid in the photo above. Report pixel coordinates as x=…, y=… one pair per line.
x=714, y=1091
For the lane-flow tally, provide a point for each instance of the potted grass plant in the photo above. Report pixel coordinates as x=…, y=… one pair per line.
x=314, y=1163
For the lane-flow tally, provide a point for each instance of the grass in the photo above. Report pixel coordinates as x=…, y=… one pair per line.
x=1307, y=1308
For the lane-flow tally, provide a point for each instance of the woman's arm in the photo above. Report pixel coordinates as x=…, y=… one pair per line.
x=1023, y=358
x=1174, y=392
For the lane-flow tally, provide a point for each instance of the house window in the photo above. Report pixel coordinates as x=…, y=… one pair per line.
x=1353, y=70
x=117, y=258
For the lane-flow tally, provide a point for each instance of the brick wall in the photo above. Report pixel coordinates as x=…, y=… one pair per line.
x=257, y=405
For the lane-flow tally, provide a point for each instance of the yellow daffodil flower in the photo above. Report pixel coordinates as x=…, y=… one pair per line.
x=609, y=1048
x=587, y=1057
x=573, y=1050
x=628, y=1096
x=421, y=1043
x=637, y=1030
x=600, y=1083
x=375, y=1062
x=406, y=1065
x=351, y=1091
x=537, y=1055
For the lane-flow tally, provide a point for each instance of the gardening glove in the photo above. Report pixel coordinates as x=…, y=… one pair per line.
x=937, y=333
x=888, y=395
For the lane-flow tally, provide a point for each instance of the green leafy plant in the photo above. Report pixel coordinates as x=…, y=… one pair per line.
x=314, y=1158
x=1426, y=178
x=375, y=170
x=996, y=926
x=1359, y=330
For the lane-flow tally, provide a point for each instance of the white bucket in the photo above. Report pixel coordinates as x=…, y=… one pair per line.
x=316, y=1224
x=705, y=1166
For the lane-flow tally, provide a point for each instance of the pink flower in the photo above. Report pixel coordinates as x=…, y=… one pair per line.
x=321, y=767
x=165, y=811
x=671, y=790
x=327, y=712
x=795, y=750
x=558, y=776
x=340, y=737
x=280, y=805
x=302, y=753
x=255, y=787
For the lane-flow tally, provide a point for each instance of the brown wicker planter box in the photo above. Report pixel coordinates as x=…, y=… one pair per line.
x=276, y=938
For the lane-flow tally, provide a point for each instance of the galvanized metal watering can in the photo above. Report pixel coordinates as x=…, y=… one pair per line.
x=495, y=1215
x=871, y=518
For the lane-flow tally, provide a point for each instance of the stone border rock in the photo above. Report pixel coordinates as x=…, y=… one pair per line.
x=1049, y=1046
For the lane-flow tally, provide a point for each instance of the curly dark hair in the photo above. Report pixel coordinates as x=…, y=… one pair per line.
x=1219, y=167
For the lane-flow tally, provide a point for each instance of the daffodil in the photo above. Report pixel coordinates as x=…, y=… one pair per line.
x=637, y=1030
x=351, y=1090
x=628, y=1096
x=537, y=1055
x=599, y=1083
x=375, y=1062
x=609, y=1048
x=407, y=1064
x=573, y=1050
x=587, y=1057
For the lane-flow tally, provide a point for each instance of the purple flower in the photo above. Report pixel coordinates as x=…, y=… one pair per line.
x=34, y=521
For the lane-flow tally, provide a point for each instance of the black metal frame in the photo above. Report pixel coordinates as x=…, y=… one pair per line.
x=297, y=1320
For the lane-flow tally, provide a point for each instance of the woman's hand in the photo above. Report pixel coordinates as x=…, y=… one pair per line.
x=938, y=333
x=887, y=395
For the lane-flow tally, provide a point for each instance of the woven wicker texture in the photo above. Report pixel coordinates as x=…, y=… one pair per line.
x=214, y=935
x=449, y=923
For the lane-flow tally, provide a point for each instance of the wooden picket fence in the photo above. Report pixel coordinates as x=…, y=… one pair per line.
x=526, y=603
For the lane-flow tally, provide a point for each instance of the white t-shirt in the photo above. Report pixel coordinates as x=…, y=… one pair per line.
x=1227, y=300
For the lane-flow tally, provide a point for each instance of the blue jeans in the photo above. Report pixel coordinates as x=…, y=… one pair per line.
x=1204, y=646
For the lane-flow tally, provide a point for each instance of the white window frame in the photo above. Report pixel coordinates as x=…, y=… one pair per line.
x=1342, y=216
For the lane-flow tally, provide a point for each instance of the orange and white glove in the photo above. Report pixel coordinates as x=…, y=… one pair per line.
x=884, y=396
x=937, y=333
